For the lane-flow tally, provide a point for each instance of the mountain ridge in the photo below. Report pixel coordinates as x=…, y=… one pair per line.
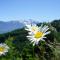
x=9, y=26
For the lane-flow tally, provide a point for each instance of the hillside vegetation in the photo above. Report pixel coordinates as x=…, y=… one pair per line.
x=22, y=49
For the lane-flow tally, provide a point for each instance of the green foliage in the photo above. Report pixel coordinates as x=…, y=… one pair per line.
x=56, y=24
x=22, y=49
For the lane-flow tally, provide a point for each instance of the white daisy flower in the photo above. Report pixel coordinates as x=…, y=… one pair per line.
x=32, y=28
x=39, y=34
x=3, y=49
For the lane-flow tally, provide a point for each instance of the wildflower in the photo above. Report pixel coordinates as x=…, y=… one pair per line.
x=31, y=28
x=38, y=34
x=3, y=49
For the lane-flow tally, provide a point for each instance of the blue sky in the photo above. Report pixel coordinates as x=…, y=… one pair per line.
x=39, y=10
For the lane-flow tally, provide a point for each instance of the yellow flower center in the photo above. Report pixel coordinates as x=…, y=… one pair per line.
x=1, y=49
x=38, y=35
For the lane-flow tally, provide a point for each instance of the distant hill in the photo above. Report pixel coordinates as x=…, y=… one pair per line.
x=9, y=26
x=13, y=25
x=56, y=24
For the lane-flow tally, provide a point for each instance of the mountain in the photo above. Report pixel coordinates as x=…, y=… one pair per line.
x=12, y=25
x=9, y=26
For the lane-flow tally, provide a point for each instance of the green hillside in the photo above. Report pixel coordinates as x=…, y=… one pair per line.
x=22, y=49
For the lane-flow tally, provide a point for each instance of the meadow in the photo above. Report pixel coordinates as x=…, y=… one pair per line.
x=22, y=49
